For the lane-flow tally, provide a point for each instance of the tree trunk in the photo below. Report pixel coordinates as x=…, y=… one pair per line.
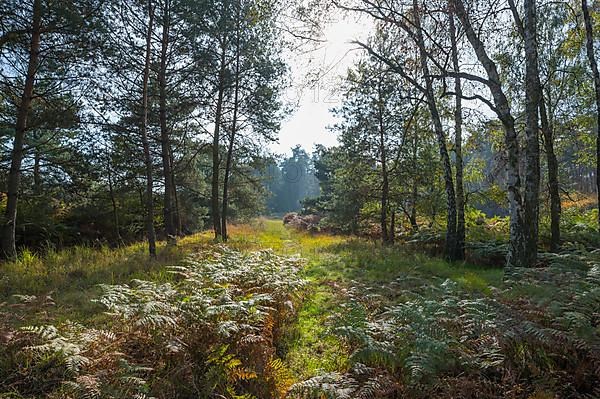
x=215, y=147
x=144, y=133
x=413, y=210
x=37, y=176
x=415, y=186
x=532, y=128
x=458, y=121
x=9, y=249
x=385, y=234
x=234, y=121
x=113, y=201
x=168, y=206
x=385, y=186
x=176, y=211
x=393, y=226
x=589, y=35
x=228, y=163
x=178, y=221
x=451, y=239
x=553, y=185
x=516, y=253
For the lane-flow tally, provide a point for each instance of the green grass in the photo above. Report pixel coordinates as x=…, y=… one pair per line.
x=71, y=276
x=334, y=264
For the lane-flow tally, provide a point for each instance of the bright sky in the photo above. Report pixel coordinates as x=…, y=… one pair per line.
x=307, y=125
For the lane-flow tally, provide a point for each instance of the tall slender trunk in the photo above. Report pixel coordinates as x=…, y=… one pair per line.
x=516, y=253
x=37, y=175
x=451, y=237
x=555, y=207
x=385, y=186
x=589, y=35
x=458, y=121
x=393, y=226
x=149, y=201
x=228, y=163
x=9, y=249
x=176, y=210
x=415, y=186
x=229, y=160
x=215, y=146
x=168, y=206
x=178, y=222
x=553, y=184
x=113, y=201
x=532, y=128
x=385, y=234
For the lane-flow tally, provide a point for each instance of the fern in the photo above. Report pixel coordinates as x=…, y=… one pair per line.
x=209, y=333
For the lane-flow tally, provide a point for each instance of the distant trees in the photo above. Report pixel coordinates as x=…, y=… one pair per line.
x=372, y=132
x=290, y=182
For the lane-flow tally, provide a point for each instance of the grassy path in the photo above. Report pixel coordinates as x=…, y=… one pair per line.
x=336, y=266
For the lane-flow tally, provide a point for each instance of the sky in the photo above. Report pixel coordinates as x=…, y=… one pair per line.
x=307, y=124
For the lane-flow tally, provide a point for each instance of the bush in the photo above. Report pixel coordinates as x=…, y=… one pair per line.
x=302, y=222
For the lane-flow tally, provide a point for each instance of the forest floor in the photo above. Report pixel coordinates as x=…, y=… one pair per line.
x=335, y=265
x=412, y=317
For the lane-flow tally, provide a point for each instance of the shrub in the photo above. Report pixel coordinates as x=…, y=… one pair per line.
x=302, y=222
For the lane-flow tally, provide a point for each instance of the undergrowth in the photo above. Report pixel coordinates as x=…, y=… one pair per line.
x=357, y=320
x=535, y=335
x=208, y=333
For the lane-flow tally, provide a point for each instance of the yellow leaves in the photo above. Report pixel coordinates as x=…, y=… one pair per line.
x=280, y=376
x=242, y=374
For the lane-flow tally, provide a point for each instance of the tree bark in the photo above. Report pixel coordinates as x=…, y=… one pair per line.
x=451, y=238
x=385, y=186
x=37, y=176
x=215, y=146
x=176, y=210
x=113, y=201
x=412, y=216
x=532, y=128
x=168, y=205
x=552, y=163
x=225, y=205
x=149, y=201
x=553, y=184
x=393, y=226
x=589, y=35
x=228, y=162
x=9, y=249
x=516, y=253
x=458, y=122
